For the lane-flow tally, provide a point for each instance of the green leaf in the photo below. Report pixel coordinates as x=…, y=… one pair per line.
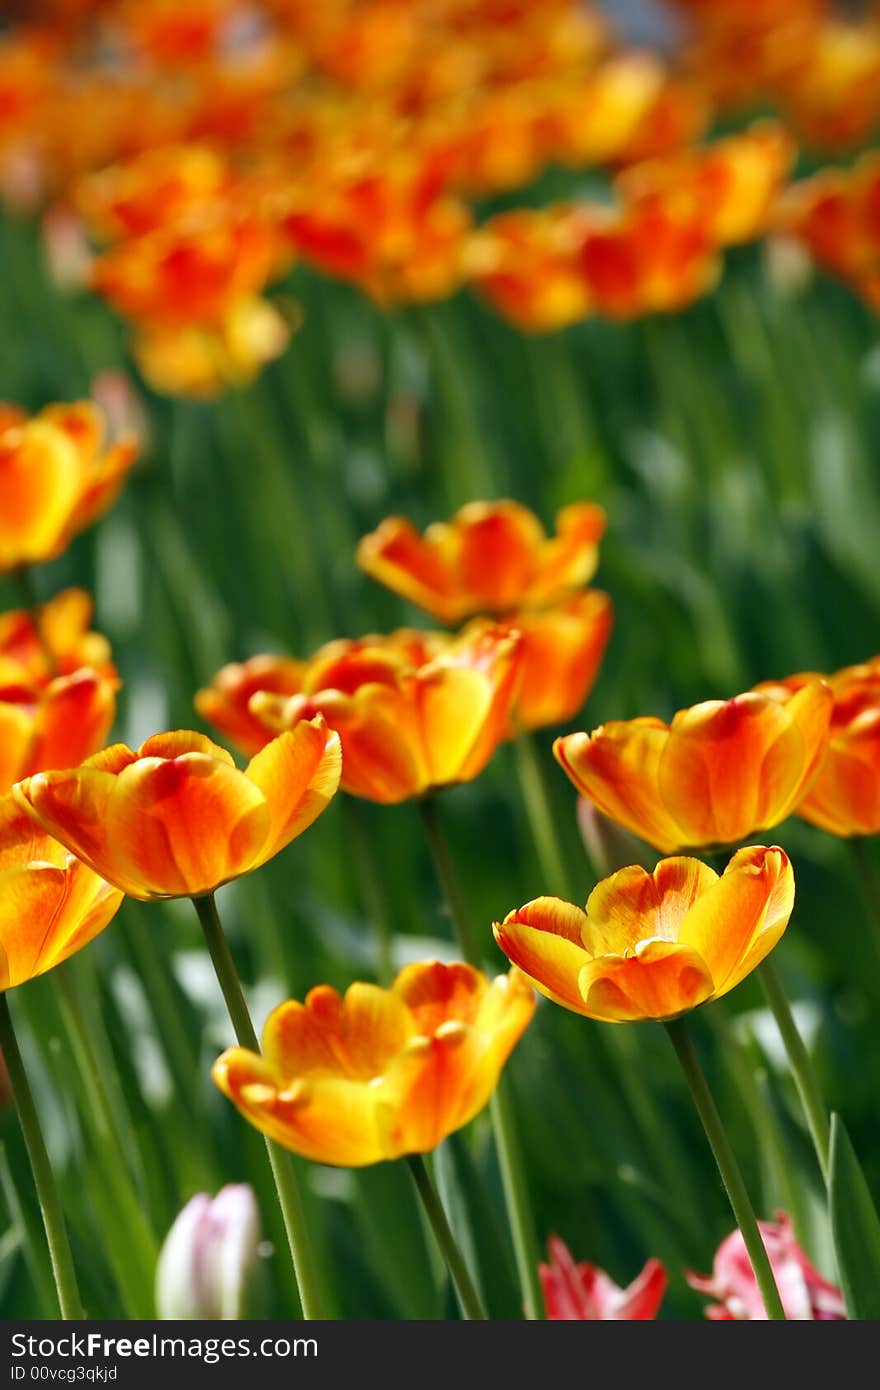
x=476, y=1227
x=855, y=1227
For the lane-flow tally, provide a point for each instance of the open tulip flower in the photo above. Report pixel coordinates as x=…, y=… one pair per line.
x=177, y=818
x=654, y=946
x=561, y=650
x=721, y=771
x=845, y=796
x=381, y=1072
x=57, y=688
x=51, y=904
x=225, y=703
x=490, y=558
x=55, y=479
x=415, y=711
x=806, y=1296
x=584, y=1293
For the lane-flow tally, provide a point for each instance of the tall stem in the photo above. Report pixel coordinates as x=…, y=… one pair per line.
x=868, y=880
x=44, y=1180
x=370, y=885
x=522, y=1229
x=471, y=1304
x=286, y=1184
x=728, y=1167
x=801, y=1066
x=142, y=1250
x=537, y=803
x=449, y=881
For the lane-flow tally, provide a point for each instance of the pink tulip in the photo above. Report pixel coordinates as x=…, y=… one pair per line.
x=806, y=1296
x=584, y=1293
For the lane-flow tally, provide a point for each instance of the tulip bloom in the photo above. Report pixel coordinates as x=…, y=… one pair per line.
x=177, y=818
x=55, y=479
x=225, y=703
x=561, y=651
x=721, y=771
x=729, y=186
x=51, y=904
x=844, y=798
x=584, y=1293
x=491, y=557
x=414, y=711
x=654, y=946
x=380, y=1072
x=209, y=1256
x=51, y=717
x=806, y=1296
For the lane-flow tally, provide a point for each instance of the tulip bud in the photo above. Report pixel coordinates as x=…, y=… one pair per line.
x=207, y=1263
x=609, y=846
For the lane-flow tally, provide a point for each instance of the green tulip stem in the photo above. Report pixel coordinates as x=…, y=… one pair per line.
x=728, y=1167
x=471, y=1304
x=286, y=1184
x=69, y=1300
x=516, y=1196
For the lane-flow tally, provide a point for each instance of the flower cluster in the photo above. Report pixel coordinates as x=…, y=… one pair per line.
x=207, y=152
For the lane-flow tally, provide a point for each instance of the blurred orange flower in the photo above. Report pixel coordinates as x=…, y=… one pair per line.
x=59, y=713
x=50, y=904
x=525, y=263
x=491, y=557
x=728, y=187
x=225, y=703
x=192, y=270
x=561, y=650
x=380, y=1072
x=415, y=711
x=834, y=214
x=177, y=818
x=654, y=946
x=722, y=770
x=844, y=798
x=55, y=479
x=152, y=189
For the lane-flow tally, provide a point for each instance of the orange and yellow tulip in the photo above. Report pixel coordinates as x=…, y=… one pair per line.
x=381, y=1072
x=729, y=186
x=55, y=479
x=654, y=945
x=177, y=818
x=844, y=798
x=720, y=771
x=58, y=714
x=414, y=711
x=225, y=703
x=51, y=904
x=491, y=557
x=561, y=651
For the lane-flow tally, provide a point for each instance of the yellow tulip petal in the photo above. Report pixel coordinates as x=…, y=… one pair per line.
x=633, y=905
x=298, y=774
x=544, y=939
x=661, y=980
x=731, y=767
x=182, y=827
x=617, y=769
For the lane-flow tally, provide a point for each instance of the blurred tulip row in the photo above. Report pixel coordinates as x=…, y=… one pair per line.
x=237, y=139
x=413, y=1130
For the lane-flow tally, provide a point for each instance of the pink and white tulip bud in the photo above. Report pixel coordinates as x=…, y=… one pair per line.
x=208, y=1260
x=806, y=1296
